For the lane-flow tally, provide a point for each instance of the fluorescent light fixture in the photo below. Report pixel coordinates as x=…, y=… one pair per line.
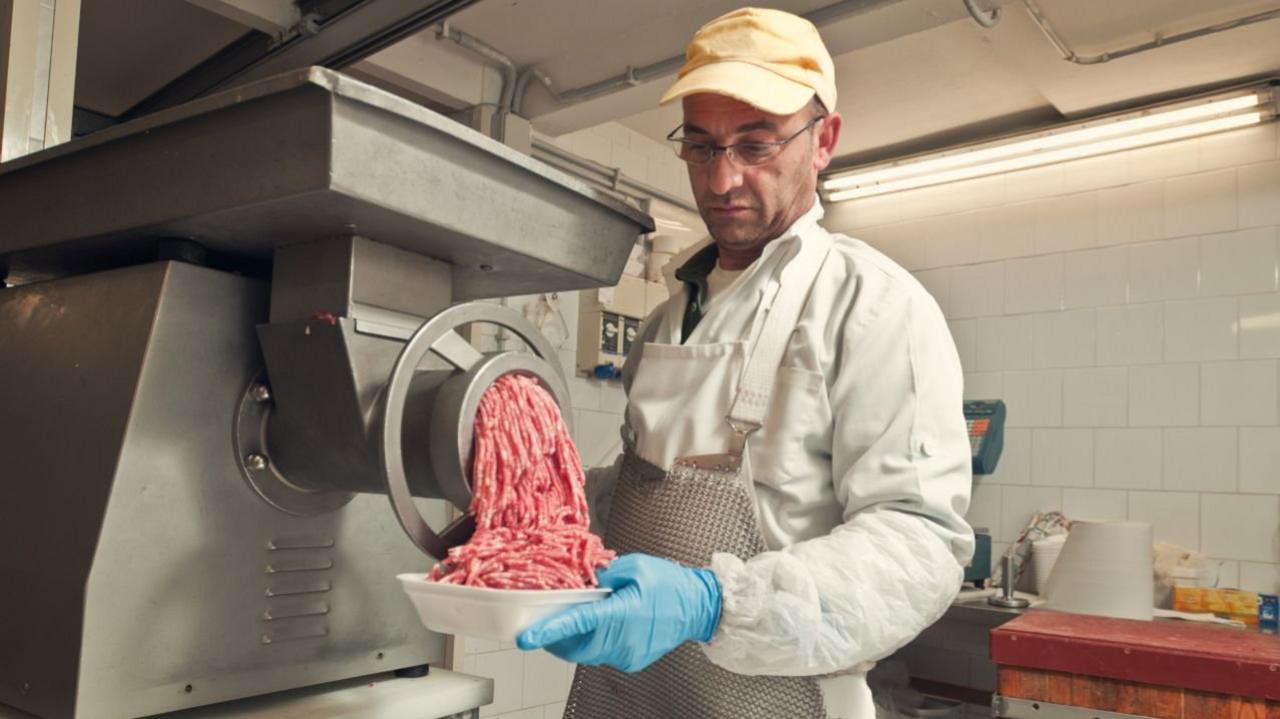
x=1097, y=137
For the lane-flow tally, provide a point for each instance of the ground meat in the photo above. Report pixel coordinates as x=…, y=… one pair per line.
x=528, y=501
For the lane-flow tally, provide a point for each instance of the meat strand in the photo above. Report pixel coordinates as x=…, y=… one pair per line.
x=527, y=498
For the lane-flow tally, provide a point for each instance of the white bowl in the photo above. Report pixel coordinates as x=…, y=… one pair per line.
x=496, y=614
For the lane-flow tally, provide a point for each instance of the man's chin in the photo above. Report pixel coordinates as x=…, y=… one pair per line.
x=731, y=234
x=734, y=241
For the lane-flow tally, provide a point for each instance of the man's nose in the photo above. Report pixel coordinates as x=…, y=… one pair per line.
x=725, y=175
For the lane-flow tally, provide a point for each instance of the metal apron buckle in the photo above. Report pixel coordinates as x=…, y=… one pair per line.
x=741, y=430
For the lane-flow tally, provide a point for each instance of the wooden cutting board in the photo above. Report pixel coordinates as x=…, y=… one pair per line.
x=1164, y=669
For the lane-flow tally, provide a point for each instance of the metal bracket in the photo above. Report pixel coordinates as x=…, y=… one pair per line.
x=308, y=26
x=1014, y=708
x=263, y=476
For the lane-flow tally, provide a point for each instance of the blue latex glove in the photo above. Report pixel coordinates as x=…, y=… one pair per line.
x=656, y=605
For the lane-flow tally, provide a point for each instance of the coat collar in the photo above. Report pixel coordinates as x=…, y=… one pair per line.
x=693, y=264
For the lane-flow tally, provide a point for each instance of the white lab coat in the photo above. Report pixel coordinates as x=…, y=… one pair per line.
x=862, y=470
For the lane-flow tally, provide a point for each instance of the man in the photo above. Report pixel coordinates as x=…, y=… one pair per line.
x=820, y=527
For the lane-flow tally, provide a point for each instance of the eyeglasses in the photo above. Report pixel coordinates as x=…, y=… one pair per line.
x=743, y=153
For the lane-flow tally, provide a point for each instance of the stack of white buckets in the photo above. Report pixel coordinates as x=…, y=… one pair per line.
x=1102, y=568
x=1044, y=554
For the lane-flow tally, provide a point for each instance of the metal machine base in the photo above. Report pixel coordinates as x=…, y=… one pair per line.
x=441, y=695
x=147, y=573
x=1010, y=708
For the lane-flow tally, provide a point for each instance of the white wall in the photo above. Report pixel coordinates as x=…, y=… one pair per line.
x=534, y=685
x=1127, y=310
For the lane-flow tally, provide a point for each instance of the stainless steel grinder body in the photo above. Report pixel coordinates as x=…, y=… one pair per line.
x=194, y=459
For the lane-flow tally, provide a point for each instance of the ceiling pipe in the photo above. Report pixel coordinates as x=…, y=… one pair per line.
x=492, y=54
x=612, y=178
x=522, y=86
x=985, y=18
x=1046, y=27
x=633, y=76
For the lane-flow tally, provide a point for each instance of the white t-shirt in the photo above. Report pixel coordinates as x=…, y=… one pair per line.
x=718, y=280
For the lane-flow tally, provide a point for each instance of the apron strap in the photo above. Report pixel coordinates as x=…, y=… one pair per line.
x=795, y=284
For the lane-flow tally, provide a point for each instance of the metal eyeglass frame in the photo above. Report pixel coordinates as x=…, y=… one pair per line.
x=727, y=150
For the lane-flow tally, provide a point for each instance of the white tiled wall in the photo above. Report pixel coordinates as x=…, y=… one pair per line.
x=954, y=651
x=529, y=685
x=534, y=685
x=1127, y=309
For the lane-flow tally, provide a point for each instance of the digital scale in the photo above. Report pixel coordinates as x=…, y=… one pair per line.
x=985, y=422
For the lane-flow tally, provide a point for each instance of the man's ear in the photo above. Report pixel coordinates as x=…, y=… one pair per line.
x=828, y=135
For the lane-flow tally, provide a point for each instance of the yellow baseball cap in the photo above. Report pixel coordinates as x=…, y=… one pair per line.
x=771, y=59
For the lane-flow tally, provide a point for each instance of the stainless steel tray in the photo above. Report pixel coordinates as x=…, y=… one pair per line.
x=307, y=155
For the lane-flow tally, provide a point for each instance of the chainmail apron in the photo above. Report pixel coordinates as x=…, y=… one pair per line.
x=685, y=516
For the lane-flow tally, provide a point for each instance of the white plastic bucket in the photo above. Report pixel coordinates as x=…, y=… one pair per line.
x=1044, y=554
x=1194, y=576
x=1105, y=569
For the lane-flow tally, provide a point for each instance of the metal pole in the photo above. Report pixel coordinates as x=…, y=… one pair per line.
x=38, y=40
x=1050, y=32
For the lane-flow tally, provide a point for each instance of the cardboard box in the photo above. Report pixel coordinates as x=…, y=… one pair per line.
x=1230, y=603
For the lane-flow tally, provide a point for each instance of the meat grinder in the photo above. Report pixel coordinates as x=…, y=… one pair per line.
x=230, y=332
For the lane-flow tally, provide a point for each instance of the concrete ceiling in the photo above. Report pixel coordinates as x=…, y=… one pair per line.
x=958, y=82
x=1093, y=26
x=1240, y=53
x=914, y=88
x=913, y=74
x=579, y=42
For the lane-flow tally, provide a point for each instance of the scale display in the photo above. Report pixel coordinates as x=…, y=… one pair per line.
x=985, y=420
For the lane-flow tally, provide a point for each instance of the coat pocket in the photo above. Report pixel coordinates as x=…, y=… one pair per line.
x=797, y=427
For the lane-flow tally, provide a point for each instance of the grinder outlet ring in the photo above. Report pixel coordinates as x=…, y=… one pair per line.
x=452, y=434
x=454, y=410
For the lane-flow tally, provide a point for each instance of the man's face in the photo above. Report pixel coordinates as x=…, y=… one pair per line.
x=745, y=207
